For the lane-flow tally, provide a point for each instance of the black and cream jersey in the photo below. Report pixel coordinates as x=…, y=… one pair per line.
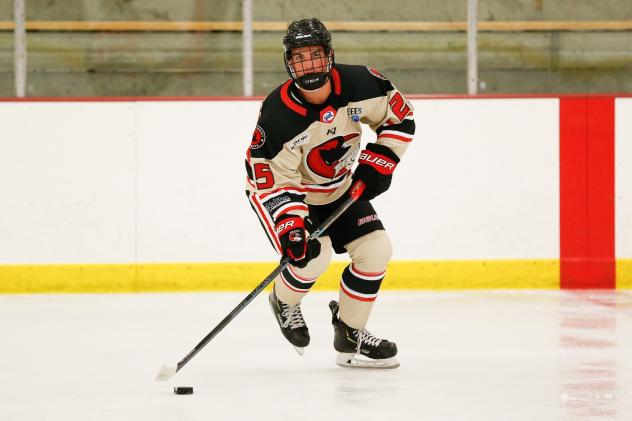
x=301, y=154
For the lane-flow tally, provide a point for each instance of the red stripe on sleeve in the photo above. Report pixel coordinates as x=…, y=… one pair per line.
x=262, y=216
x=394, y=136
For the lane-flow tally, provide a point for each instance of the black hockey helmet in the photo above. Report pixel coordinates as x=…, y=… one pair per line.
x=303, y=33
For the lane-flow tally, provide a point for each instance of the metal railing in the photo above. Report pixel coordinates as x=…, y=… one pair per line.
x=472, y=26
x=339, y=26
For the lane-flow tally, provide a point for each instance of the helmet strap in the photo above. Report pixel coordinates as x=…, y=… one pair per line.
x=311, y=81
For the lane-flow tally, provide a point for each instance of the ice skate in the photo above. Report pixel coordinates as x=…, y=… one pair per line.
x=291, y=322
x=359, y=348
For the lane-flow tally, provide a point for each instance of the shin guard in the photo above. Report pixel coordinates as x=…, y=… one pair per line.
x=361, y=280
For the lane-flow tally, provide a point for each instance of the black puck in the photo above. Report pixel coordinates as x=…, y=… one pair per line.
x=180, y=390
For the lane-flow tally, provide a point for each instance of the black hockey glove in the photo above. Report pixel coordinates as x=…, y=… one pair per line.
x=375, y=168
x=291, y=232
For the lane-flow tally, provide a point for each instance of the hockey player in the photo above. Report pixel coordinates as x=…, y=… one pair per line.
x=298, y=172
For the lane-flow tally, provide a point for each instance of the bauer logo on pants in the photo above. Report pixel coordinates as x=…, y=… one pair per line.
x=367, y=219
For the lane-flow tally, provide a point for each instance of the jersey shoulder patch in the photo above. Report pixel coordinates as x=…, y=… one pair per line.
x=258, y=138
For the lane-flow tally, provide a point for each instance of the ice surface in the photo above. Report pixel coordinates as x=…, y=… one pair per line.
x=471, y=355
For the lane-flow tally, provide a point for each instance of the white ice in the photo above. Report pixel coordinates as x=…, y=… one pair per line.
x=472, y=355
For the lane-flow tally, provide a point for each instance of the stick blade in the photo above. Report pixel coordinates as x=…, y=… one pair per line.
x=166, y=373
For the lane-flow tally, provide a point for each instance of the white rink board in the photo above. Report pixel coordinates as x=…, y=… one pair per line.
x=623, y=177
x=116, y=182
x=481, y=181
x=66, y=182
x=192, y=203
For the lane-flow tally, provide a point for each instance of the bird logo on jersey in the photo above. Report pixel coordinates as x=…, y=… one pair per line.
x=334, y=157
x=258, y=138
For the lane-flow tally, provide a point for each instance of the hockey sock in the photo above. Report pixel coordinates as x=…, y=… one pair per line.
x=358, y=291
x=291, y=286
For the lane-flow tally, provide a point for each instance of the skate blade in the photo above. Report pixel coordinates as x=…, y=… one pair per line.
x=354, y=360
x=300, y=350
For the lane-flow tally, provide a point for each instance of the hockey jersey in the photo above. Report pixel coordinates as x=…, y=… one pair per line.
x=301, y=154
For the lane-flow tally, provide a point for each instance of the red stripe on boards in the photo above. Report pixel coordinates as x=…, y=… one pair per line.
x=601, y=193
x=587, y=193
x=573, y=163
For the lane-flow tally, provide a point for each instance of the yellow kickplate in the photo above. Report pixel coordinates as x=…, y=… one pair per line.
x=624, y=273
x=415, y=275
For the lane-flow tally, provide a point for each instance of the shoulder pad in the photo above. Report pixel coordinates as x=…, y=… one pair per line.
x=277, y=124
x=362, y=82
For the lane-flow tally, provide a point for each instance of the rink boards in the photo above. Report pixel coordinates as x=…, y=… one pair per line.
x=147, y=195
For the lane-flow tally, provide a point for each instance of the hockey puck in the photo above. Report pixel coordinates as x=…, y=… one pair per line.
x=186, y=390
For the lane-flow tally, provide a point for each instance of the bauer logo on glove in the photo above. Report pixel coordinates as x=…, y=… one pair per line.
x=282, y=227
x=375, y=167
x=383, y=165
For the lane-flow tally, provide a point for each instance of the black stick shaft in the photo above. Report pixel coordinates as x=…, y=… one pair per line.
x=356, y=192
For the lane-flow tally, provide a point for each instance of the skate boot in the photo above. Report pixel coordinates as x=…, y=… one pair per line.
x=359, y=348
x=291, y=322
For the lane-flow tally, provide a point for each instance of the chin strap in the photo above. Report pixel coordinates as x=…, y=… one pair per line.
x=312, y=81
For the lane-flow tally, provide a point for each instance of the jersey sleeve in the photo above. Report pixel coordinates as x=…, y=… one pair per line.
x=391, y=116
x=274, y=181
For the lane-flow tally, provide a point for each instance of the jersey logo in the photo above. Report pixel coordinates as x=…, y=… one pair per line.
x=258, y=138
x=354, y=113
x=333, y=158
x=299, y=141
x=375, y=73
x=328, y=114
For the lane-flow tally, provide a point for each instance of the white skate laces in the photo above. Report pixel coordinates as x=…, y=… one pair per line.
x=364, y=336
x=349, y=342
x=293, y=316
x=361, y=358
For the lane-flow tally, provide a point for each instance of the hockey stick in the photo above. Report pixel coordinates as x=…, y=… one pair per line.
x=167, y=372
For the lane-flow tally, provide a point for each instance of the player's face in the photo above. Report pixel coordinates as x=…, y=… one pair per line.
x=310, y=59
